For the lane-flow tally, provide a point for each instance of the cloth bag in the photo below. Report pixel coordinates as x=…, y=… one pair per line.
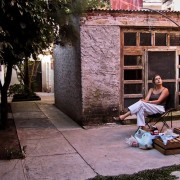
x=144, y=139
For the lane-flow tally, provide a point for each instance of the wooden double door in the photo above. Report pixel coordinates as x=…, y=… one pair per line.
x=139, y=69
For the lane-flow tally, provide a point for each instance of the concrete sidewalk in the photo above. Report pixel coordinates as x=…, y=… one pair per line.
x=57, y=148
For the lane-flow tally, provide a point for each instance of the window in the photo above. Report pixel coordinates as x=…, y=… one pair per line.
x=158, y=61
x=130, y=39
x=145, y=39
x=163, y=63
x=135, y=74
x=145, y=53
x=133, y=67
x=132, y=60
x=160, y=39
x=133, y=88
x=174, y=39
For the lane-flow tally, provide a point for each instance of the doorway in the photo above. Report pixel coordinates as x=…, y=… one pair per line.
x=164, y=64
x=139, y=71
x=144, y=54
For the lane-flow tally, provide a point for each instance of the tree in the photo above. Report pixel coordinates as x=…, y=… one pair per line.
x=28, y=27
x=25, y=28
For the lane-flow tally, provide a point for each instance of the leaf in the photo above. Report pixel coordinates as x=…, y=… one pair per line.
x=12, y=3
x=23, y=25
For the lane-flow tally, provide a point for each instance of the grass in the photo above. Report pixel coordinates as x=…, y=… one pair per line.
x=163, y=173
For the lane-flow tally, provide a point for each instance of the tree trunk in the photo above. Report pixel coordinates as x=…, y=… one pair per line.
x=4, y=109
x=26, y=75
x=4, y=101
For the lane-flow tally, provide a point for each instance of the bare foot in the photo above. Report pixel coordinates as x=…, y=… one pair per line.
x=122, y=117
x=118, y=120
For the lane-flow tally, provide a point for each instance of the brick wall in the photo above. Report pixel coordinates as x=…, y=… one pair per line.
x=132, y=19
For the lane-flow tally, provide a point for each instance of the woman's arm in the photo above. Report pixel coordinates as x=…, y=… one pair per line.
x=148, y=95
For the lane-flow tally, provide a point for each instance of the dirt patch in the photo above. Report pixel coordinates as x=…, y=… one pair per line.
x=9, y=143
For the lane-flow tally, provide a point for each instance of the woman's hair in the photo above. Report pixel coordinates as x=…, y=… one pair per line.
x=153, y=79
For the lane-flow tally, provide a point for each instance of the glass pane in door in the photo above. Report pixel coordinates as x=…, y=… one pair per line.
x=163, y=63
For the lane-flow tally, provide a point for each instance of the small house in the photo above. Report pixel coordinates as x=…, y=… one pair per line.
x=113, y=63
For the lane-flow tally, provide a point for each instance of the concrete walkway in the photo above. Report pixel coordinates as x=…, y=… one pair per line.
x=57, y=148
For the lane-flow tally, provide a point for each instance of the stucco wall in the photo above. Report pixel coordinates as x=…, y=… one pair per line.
x=67, y=81
x=100, y=64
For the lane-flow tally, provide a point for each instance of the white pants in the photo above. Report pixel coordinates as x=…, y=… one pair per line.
x=143, y=109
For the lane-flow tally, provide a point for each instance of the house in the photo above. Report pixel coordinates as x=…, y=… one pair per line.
x=41, y=72
x=153, y=4
x=113, y=63
x=45, y=73
x=126, y=4
x=172, y=5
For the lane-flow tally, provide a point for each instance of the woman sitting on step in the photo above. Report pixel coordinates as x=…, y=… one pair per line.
x=153, y=103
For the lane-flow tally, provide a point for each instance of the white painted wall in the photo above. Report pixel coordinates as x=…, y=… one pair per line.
x=47, y=65
x=176, y=5
x=173, y=5
x=47, y=72
x=14, y=79
x=2, y=74
x=152, y=4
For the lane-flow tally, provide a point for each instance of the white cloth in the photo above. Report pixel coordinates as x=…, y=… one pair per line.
x=143, y=109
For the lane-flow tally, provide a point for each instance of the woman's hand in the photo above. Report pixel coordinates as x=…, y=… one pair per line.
x=144, y=100
x=148, y=95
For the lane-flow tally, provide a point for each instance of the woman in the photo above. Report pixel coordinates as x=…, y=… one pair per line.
x=153, y=103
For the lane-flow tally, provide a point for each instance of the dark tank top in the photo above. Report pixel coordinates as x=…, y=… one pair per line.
x=156, y=97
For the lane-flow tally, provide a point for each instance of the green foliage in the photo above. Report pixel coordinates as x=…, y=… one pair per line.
x=163, y=173
x=100, y=4
x=15, y=89
x=32, y=71
x=19, y=89
x=28, y=27
x=63, y=14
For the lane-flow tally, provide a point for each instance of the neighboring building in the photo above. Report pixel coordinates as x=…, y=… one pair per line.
x=172, y=5
x=14, y=79
x=43, y=73
x=2, y=74
x=152, y=4
x=113, y=64
x=135, y=4
x=126, y=4
x=46, y=72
